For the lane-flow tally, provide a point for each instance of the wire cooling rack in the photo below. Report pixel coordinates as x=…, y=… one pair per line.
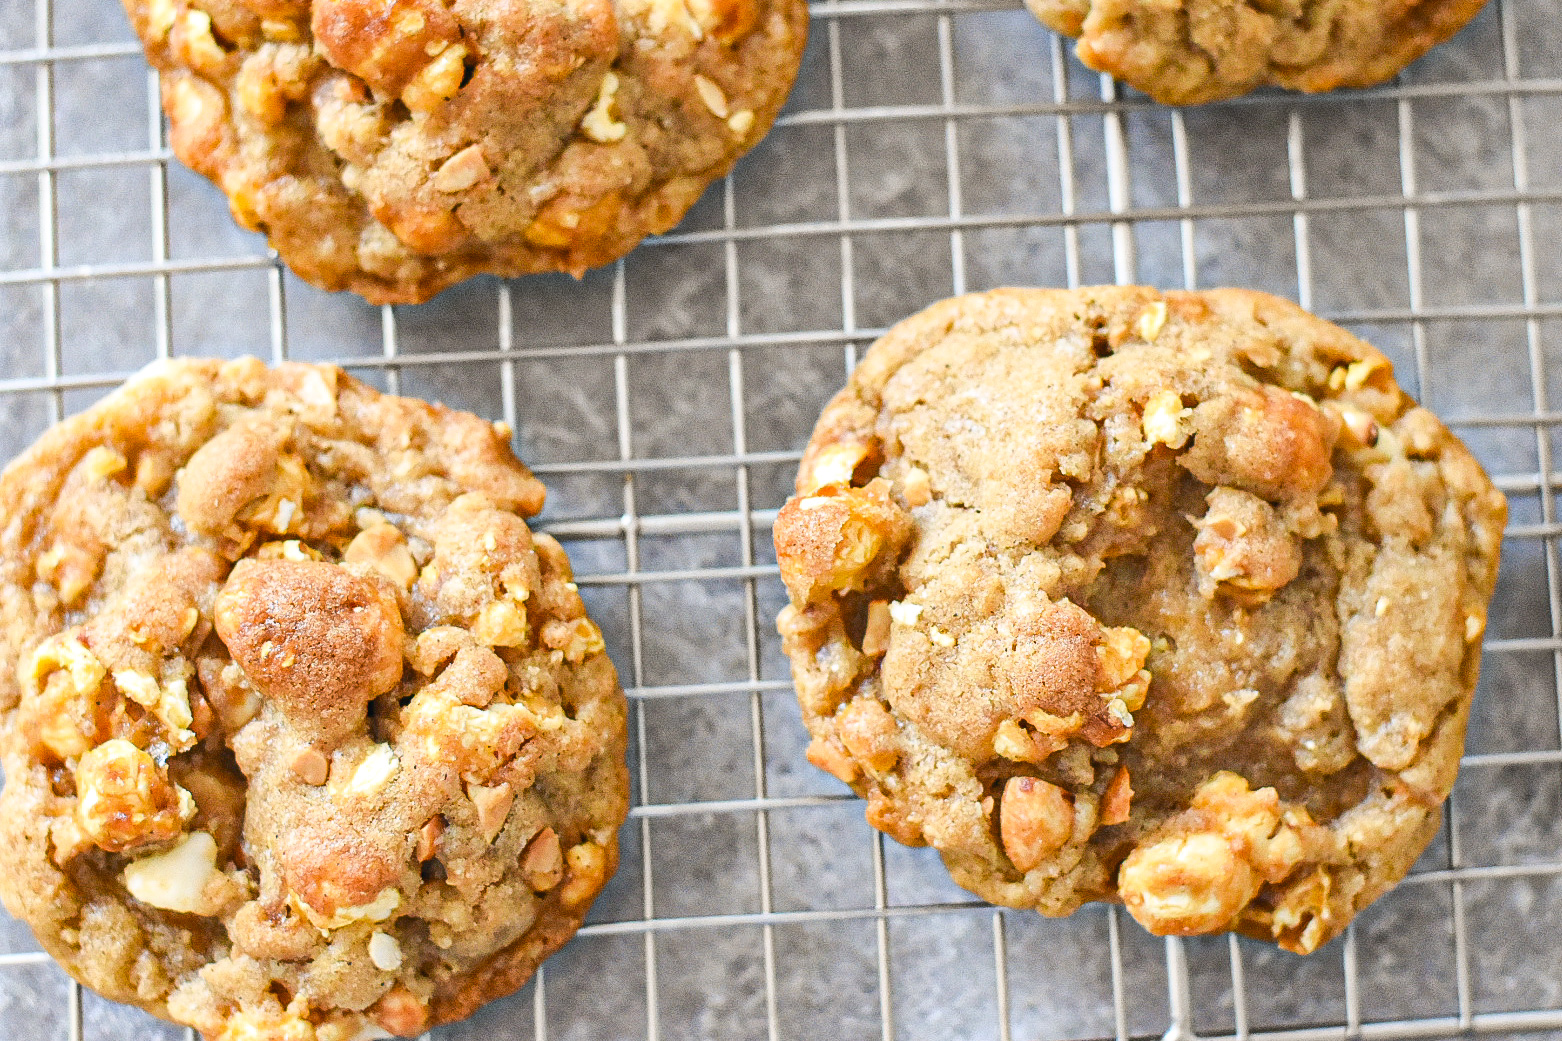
x=930, y=148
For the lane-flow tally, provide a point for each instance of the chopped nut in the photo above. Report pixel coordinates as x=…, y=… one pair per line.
x=375, y=772
x=124, y=800
x=577, y=639
x=169, y=702
x=741, y=121
x=712, y=95
x=71, y=569
x=178, y=879
x=875, y=635
x=311, y=766
x=1119, y=657
x=384, y=951
x=598, y=124
x=1357, y=373
x=1150, y=321
x=160, y=15
x=918, y=489
x=1035, y=819
x=1166, y=421
x=542, y=865
x=103, y=462
x=194, y=43
x=501, y=624
x=1361, y=430
x=428, y=838
x=462, y=170
x=835, y=465
x=380, y=908
x=1117, y=799
x=587, y=871
x=438, y=82
x=868, y=731
x=493, y=807
x=1012, y=741
x=401, y=1012
x=904, y=613
x=832, y=760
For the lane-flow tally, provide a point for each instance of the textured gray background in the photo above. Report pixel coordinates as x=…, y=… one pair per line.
x=928, y=148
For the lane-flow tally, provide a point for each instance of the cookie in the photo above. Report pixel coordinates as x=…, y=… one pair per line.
x=394, y=147
x=305, y=734
x=1174, y=600
x=1195, y=51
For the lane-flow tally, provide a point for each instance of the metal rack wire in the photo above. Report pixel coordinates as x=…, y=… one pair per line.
x=1115, y=212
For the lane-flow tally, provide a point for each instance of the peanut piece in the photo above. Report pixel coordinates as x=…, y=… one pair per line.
x=542, y=865
x=384, y=548
x=828, y=757
x=401, y=1012
x=712, y=96
x=868, y=732
x=428, y=838
x=1035, y=819
x=311, y=767
x=1117, y=799
x=462, y=170
x=384, y=951
x=1166, y=421
x=587, y=871
x=875, y=636
x=493, y=807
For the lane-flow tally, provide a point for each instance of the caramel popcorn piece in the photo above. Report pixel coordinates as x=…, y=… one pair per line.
x=125, y=801
x=838, y=539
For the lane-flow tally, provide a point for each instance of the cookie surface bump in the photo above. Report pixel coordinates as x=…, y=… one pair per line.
x=1193, y=51
x=395, y=147
x=305, y=732
x=1169, y=599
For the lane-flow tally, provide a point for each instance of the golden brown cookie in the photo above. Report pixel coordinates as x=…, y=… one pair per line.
x=1192, y=51
x=394, y=147
x=304, y=731
x=1169, y=599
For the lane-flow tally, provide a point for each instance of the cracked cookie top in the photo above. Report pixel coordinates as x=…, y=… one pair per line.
x=1114, y=595
x=1192, y=51
x=305, y=732
x=395, y=147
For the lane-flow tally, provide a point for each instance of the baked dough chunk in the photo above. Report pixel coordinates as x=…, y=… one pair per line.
x=394, y=147
x=305, y=734
x=1169, y=599
x=1186, y=52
